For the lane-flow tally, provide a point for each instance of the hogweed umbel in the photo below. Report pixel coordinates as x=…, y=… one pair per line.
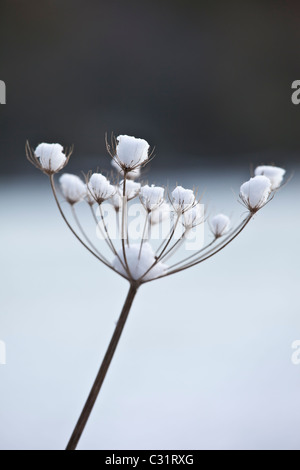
x=139, y=262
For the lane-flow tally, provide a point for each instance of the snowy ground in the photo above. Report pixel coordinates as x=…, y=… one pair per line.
x=205, y=359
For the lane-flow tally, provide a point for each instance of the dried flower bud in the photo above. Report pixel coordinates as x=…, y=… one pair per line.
x=51, y=157
x=274, y=173
x=255, y=193
x=132, y=189
x=182, y=199
x=100, y=188
x=151, y=196
x=139, y=262
x=219, y=225
x=131, y=153
x=73, y=189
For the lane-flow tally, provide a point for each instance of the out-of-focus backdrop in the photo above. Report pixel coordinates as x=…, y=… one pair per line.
x=205, y=359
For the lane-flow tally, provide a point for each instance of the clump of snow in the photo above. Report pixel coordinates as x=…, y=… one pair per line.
x=274, y=173
x=131, y=152
x=51, y=156
x=139, y=265
x=255, y=192
x=219, y=225
x=100, y=188
x=73, y=189
x=151, y=196
x=182, y=199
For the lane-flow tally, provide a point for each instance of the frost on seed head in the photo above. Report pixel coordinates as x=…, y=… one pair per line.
x=139, y=262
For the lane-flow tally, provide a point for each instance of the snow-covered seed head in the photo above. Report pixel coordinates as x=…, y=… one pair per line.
x=274, y=173
x=100, y=188
x=139, y=261
x=151, y=196
x=219, y=225
x=255, y=193
x=193, y=217
x=161, y=213
x=50, y=157
x=73, y=189
x=182, y=199
x=132, y=189
x=116, y=199
x=131, y=175
x=131, y=153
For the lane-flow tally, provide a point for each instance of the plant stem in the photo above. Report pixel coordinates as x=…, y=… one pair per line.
x=81, y=423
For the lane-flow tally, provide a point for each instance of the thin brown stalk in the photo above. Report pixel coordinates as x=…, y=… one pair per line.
x=88, y=407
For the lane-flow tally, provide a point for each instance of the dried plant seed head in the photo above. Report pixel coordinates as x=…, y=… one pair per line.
x=255, y=193
x=72, y=188
x=193, y=217
x=219, y=225
x=274, y=173
x=131, y=153
x=100, y=188
x=151, y=196
x=183, y=199
x=48, y=158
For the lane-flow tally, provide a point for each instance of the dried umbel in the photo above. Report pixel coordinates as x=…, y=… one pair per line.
x=139, y=262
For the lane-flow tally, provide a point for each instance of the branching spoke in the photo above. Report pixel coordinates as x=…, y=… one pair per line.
x=158, y=258
x=170, y=251
x=124, y=213
x=73, y=231
x=207, y=256
x=222, y=242
x=144, y=233
x=85, y=235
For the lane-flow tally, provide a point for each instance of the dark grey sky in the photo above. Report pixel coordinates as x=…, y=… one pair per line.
x=200, y=80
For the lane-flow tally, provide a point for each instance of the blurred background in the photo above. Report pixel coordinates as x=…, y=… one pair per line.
x=205, y=360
